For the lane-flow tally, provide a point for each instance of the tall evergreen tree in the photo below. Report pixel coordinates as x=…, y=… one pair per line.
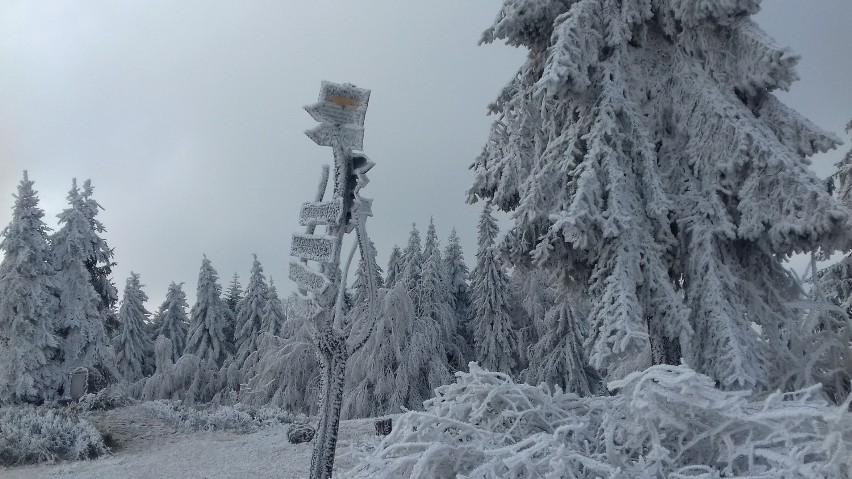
x=435, y=301
x=412, y=264
x=208, y=319
x=81, y=316
x=394, y=267
x=457, y=275
x=250, y=314
x=830, y=331
x=401, y=363
x=232, y=299
x=360, y=285
x=493, y=334
x=172, y=321
x=27, y=305
x=99, y=256
x=234, y=293
x=133, y=345
x=558, y=356
x=274, y=314
x=642, y=151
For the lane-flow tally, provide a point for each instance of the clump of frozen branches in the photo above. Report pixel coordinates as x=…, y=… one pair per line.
x=36, y=434
x=111, y=397
x=666, y=421
x=239, y=418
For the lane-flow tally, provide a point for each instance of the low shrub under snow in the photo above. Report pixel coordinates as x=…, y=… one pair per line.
x=238, y=418
x=31, y=434
x=666, y=421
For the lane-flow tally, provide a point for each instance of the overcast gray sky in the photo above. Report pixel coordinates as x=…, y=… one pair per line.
x=188, y=118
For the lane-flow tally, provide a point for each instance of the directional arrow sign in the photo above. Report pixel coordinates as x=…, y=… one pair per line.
x=321, y=213
x=345, y=97
x=346, y=136
x=304, y=307
x=308, y=279
x=315, y=247
x=334, y=113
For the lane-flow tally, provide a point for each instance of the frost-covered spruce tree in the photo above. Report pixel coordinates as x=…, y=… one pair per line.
x=359, y=285
x=99, y=256
x=558, y=356
x=234, y=293
x=412, y=264
x=208, y=319
x=274, y=315
x=394, y=267
x=494, y=338
x=401, y=363
x=435, y=301
x=250, y=314
x=641, y=150
x=828, y=330
x=172, y=321
x=27, y=304
x=133, y=346
x=232, y=298
x=457, y=274
x=81, y=317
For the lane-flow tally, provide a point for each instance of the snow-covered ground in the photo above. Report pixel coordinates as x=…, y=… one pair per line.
x=147, y=448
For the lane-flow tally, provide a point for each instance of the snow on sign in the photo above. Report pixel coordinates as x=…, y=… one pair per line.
x=340, y=104
x=321, y=213
x=314, y=247
x=308, y=279
x=347, y=136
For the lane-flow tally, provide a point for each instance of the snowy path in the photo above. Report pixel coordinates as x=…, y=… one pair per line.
x=206, y=455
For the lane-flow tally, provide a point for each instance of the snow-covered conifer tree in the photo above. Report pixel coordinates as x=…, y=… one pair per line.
x=172, y=321
x=493, y=334
x=81, y=316
x=99, y=256
x=642, y=151
x=234, y=293
x=27, y=305
x=359, y=285
x=435, y=301
x=558, y=356
x=133, y=346
x=232, y=299
x=412, y=263
x=401, y=363
x=274, y=315
x=250, y=314
x=208, y=319
x=457, y=275
x=830, y=332
x=394, y=267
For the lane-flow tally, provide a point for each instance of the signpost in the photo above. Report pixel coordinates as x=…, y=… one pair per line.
x=341, y=110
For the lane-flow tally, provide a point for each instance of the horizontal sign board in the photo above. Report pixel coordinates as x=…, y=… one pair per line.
x=321, y=213
x=345, y=136
x=330, y=112
x=308, y=279
x=314, y=247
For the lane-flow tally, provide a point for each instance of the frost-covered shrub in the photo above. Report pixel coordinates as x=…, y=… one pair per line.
x=666, y=421
x=30, y=434
x=238, y=418
x=111, y=397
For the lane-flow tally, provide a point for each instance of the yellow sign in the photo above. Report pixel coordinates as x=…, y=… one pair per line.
x=341, y=100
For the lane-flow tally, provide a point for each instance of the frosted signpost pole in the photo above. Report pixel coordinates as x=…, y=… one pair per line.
x=340, y=110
